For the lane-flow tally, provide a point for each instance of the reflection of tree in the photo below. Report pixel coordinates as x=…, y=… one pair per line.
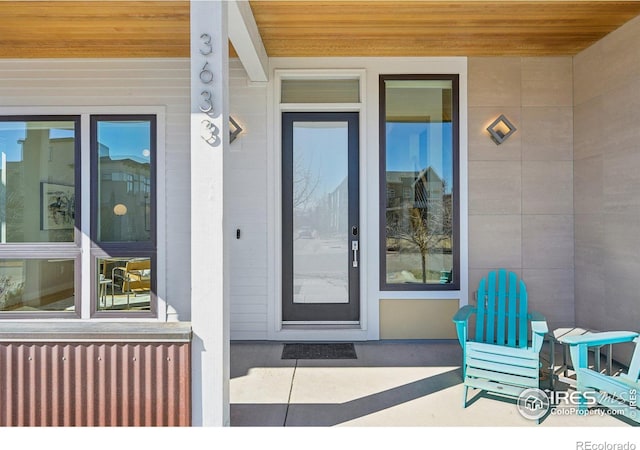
x=424, y=221
x=9, y=290
x=305, y=183
x=12, y=213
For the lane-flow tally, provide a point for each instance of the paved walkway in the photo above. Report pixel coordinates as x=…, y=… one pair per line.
x=390, y=384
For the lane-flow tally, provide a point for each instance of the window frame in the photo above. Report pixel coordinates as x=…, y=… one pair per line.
x=123, y=249
x=53, y=250
x=83, y=249
x=455, y=129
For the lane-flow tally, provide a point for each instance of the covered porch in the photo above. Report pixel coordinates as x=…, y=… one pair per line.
x=557, y=202
x=390, y=384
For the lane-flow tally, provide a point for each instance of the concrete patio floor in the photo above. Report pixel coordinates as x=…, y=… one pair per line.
x=390, y=384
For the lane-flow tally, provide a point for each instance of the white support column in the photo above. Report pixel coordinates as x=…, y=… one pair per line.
x=209, y=248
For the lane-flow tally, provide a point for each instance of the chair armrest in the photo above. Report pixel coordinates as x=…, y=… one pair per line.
x=460, y=319
x=538, y=329
x=597, y=339
x=463, y=314
x=538, y=323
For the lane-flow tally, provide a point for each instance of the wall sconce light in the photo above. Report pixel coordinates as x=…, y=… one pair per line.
x=120, y=209
x=234, y=129
x=500, y=129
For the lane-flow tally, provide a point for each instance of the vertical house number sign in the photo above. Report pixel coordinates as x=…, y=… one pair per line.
x=210, y=131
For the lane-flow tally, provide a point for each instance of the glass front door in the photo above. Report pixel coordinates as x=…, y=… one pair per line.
x=321, y=245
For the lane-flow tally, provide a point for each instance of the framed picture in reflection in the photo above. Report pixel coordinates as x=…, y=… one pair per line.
x=57, y=206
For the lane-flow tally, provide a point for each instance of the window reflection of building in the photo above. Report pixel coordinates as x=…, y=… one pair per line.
x=124, y=181
x=42, y=159
x=419, y=223
x=41, y=156
x=405, y=190
x=338, y=201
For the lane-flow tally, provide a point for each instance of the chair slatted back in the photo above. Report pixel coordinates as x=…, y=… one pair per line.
x=633, y=374
x=144, y=264
x=502, y=310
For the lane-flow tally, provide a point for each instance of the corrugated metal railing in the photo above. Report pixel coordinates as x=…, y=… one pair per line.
x=95, y=384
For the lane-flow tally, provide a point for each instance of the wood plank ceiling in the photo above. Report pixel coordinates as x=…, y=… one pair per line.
x=87, y=29
x=436, y=28
x=68, y=29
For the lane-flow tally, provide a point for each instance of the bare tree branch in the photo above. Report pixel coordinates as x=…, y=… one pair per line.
x=426, y=222
x=304, y=184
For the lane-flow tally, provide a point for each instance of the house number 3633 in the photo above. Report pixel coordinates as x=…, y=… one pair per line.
x=209, y=131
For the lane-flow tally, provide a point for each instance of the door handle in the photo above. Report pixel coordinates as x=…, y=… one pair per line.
x=354, y=248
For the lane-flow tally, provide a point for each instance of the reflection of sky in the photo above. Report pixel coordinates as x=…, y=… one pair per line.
x=9, y=144
x=13, y=132
x=324, y=151
x=412, y=147
x=124, y=139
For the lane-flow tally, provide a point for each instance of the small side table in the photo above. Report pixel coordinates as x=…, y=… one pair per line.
x=557, y=336
x=104, y=282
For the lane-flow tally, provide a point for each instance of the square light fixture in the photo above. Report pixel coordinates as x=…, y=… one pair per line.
x=500, y=129
x=234, y=129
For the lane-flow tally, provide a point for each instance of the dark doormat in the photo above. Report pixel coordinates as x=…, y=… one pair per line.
x=319, y=351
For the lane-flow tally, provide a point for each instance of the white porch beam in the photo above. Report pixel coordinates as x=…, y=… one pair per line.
x=245, y=37
x=209, y=248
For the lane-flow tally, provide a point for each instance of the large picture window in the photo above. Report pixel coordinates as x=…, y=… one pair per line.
x=39, y=212
x=42, y=249
x=419, y=182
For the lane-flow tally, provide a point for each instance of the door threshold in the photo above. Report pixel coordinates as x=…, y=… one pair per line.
x=308, y=332
x=321, y=325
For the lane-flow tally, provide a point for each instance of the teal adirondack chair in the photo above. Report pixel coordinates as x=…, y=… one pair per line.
x=499, y=358
x=620, y=393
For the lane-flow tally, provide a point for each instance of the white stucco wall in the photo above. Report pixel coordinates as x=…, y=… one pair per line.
x=606, y=182
x=521, y=192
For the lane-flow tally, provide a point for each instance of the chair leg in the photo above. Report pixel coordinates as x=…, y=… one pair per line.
x=582, y=401
x=464, y=396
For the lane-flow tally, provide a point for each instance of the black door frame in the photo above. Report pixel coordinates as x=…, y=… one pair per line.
x=326, y=312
